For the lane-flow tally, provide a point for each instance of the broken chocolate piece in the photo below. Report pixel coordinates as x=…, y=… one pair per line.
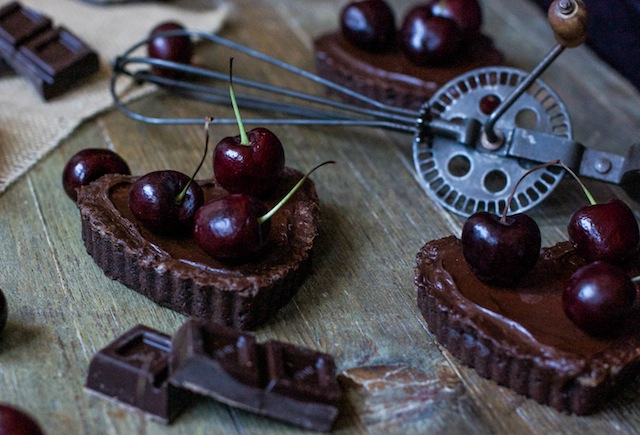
x=53, y=59
x=279, y=380
x=133, y=371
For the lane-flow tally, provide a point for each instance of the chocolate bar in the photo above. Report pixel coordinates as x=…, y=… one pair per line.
x=279, y=380
x=52, y=58
x=133, y=371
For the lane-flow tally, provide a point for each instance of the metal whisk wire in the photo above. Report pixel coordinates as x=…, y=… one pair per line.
x=368, y=112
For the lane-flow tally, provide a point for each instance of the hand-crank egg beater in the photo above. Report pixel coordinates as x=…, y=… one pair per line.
x=472, y=141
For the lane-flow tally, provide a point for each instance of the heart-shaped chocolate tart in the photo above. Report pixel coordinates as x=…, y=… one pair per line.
x=175, y=273
x=520, y=337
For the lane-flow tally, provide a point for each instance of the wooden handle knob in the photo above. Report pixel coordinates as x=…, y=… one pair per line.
x=568, y=19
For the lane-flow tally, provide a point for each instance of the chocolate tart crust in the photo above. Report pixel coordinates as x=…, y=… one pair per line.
x=175, y=273
x=520, y=337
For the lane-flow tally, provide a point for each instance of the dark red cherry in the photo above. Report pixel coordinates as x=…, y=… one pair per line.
x=467, y=14
x=157, y=201
x=177, y=48
x=228, y=229
x=426, y=39
x=4, y=311
x=599, y=297
x=14, y=421
x=500, y=252
x=255, y=169
x=606, y=231
x=368, y=24
x=88, y=165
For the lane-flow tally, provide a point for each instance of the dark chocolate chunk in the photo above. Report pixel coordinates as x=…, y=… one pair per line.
x=133, y=371
x=18, y=24
x=53, y=59
x=279, y=380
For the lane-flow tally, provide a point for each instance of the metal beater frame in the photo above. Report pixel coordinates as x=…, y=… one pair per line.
x=440, y=132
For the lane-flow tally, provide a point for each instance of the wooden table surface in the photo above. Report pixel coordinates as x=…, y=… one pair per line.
x=359, y=304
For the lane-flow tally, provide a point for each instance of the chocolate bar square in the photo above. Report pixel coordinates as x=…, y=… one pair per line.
x=133, y=371
x=299, y=372
x=301, y=387
x=55, y=60
x=18, y=24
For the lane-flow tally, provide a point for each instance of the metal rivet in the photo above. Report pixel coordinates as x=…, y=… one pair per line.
x=492, y=146
x=602, y=165
x=566, y=6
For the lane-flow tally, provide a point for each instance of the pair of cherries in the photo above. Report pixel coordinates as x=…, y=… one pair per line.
x=500, y=250
x=430, y=33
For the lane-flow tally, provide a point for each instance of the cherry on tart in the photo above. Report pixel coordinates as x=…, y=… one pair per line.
x=176, y=48
x=606, y=231
x=368, y=24
x=501, y=249
x=236, y=227
x=229, y=228
x=603, y=232
x=14, y=421
x=166, y=201
x=88, y=165
x=250, y=163
x=467, y=14
x=599, y=297
x=426, y=39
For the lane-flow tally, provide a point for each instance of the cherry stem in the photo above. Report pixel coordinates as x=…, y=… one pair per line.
x=505, y=210
x=588, y=194
x=635, y=279
x=288, y=196
x=592, y=201
x=244, y=139
x=182, y=193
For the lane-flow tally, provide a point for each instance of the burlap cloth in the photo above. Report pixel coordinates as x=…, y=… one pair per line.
x=30, y=127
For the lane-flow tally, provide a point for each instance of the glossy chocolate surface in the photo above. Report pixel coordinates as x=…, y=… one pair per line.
x=184, y=252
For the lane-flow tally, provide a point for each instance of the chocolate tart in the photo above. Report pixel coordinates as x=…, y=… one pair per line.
x=388, y=77
x=520, y=337
x=175, y=273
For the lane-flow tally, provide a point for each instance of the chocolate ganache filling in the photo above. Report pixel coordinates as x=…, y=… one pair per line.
x=184, y=249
